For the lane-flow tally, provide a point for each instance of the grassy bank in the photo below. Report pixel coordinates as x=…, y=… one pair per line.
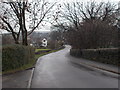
x=37, y=50
x=39, y=55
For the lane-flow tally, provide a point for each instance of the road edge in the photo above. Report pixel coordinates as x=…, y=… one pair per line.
x=30, y=80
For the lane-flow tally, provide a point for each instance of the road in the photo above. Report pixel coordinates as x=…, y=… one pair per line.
x=56, y=71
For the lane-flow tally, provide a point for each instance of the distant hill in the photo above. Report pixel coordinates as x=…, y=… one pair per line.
x=40, y=35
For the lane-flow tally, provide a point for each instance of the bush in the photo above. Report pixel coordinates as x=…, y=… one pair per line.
x=104, y=55
x=15, y=56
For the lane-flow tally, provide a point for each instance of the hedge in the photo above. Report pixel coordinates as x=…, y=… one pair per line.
x=104, y=55
x=15, y=56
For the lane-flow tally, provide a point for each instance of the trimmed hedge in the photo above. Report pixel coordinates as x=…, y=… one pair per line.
x=15, y=56
x=104, y=55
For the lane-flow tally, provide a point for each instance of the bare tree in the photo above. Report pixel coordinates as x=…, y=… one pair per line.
x=24, y=16
x=76, y=12
x=91, y=25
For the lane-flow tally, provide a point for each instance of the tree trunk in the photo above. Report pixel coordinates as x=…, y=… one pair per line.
x=25, y=42
x=15, y=39
x=16, y=42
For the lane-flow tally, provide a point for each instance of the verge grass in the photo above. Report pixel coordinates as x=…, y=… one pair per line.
x=37, y=50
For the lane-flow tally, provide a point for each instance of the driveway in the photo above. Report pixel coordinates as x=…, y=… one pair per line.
x=56, y=70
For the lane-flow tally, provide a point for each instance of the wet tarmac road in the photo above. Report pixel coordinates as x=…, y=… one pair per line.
x=56, y=71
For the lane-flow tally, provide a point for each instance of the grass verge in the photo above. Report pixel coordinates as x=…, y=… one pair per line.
x=39, y=55
x=37, y=50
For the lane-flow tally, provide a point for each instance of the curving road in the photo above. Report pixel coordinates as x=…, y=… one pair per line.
x=56, y=71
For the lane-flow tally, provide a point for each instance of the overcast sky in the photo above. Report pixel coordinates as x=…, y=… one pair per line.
x=87, y=0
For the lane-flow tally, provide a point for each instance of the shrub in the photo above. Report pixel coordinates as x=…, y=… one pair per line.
x=104, y=55
x=15, y=56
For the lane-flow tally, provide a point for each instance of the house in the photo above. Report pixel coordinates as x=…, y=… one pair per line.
x=44, y=42
x=39, y=39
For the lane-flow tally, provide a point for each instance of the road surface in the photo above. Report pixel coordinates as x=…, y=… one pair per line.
x=56, y=71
